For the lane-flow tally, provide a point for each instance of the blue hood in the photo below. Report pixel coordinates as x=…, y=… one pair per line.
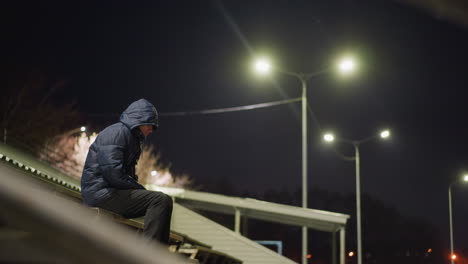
x=139, y=113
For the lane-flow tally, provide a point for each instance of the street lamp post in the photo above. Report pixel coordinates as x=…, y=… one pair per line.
x=304, y=161
x=303, y=78
x=263, y=66
x=451, y=222
x=452, y=255
x=356, y=143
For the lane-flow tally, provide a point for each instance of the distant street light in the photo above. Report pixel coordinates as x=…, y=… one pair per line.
x=59, y=137
x=356, y=143
x=385, y=134
x=263, y=66
x=72, y=131
x=452, y=255
x=329, y=137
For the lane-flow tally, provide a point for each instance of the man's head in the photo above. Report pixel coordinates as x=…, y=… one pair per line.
x=140, y=113
x=146, y=129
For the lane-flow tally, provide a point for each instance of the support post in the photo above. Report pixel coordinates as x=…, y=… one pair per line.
x=334, y=247
x=342, y=245
x=237, y=221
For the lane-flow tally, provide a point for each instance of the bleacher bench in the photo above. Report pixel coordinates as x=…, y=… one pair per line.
x=178, y=243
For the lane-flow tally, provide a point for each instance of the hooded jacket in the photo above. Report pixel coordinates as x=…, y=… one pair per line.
x=112, y=158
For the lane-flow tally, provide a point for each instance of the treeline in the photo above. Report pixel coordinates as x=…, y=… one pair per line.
x=31, y=108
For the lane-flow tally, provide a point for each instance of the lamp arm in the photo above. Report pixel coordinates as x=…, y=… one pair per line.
x=343, y=156
x=304, y=76
x=365, y=140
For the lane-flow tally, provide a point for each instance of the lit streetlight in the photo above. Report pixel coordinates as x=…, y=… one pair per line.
x=452, y=255
x=72, y=131
x=55, y=138
x=329, y=137
x=347, y=65
x=385, y=134
x=263, y=67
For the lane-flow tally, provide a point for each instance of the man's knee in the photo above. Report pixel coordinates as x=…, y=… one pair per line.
x=163, y=200
x=167, y=202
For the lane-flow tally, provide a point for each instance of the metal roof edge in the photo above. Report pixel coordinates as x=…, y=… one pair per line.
x=253, y=204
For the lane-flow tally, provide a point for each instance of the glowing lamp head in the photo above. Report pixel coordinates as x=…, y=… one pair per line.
x=465, y=178
x=347, y=66
x=262, y=66
x=385, y=134
x=453, y=256
x=83, y=129
x=329, y=137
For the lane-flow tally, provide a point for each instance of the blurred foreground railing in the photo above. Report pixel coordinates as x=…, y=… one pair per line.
x=38, y=226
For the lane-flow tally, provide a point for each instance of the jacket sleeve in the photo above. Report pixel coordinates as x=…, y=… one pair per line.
x=110, y=159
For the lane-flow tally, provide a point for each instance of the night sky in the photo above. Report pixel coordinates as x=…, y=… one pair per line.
x=196, y=55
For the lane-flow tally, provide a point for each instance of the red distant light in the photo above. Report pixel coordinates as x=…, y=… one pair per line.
x=429, y=250
x=309, y=256
x=454, y=257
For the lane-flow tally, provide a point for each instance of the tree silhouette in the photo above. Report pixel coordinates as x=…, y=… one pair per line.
x=29, y=116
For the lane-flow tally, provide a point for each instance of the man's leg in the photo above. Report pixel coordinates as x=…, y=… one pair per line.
x=155, y=206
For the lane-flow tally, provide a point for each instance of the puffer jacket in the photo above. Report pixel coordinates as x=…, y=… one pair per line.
x=111, y=159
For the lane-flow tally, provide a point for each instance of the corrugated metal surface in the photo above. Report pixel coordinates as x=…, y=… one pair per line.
x=32, y=164
x=223, y=239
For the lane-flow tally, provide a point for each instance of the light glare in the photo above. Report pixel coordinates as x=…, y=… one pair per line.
x=329, y=137
x=154, y=173
x=347, y=65
x=465, y=178
x=262, y=66
x=385, y=134
x=83, y=129
x=351, y=253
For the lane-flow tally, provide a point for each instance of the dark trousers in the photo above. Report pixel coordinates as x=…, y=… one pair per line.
x=155, y=206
